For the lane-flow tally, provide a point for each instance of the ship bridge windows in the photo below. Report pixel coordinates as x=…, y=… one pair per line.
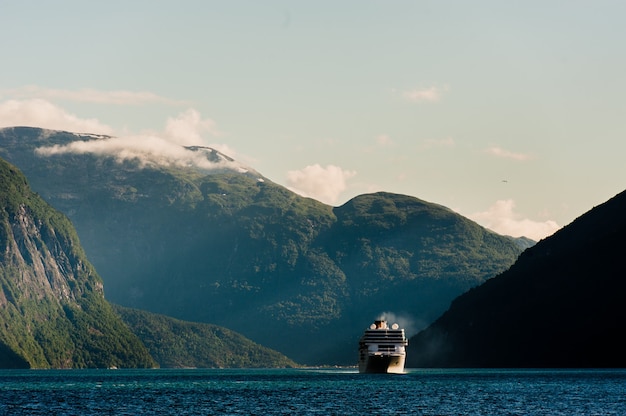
x=386, y=348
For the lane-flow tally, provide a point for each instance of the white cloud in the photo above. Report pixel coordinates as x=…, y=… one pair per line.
x=90, y=95
x=322, y=183
x=41, y=113
x=506, y=154
x=502, y=218
x=187, y=128
x=147, y=150
x=430, y=94
x=161, y=149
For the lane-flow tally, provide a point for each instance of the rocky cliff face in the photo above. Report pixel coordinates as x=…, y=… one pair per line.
x=52, y=307
x=47, y=267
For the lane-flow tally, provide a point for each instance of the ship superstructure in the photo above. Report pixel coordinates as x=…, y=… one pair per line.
x=382, y=349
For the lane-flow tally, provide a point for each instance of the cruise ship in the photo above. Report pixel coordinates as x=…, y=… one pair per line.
x=382, y=349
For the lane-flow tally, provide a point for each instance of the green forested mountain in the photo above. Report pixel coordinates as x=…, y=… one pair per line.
x=231, y=248
x=179, y=344
x=52, y=307
x=560, y=305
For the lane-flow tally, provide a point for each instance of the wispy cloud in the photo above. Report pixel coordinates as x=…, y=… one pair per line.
x=502, y=218
x=147, y=150
x=506, y=154
x=42, y=113
x=90, y=95
x=158, y=148
x=421, y=95
x=384, y=140
x=322, y=183
x=447, y=142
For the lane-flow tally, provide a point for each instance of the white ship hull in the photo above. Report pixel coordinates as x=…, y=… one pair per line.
x=385, y=364
x=382, y=350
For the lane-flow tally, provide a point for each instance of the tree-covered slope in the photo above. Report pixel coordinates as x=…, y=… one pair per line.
x=560, y=305
x=52, y=308
x=180, y=344
x=232, y=248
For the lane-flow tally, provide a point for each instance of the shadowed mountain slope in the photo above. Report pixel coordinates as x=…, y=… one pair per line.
x=179, y=344
x=560, y=305
x=218, y=243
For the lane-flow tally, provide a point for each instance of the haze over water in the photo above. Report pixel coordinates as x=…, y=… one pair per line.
x=312, y=391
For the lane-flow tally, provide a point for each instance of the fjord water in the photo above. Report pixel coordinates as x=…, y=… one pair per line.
x=312, y=392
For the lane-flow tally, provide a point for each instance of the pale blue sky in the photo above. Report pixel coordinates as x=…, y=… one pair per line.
x=509, y=112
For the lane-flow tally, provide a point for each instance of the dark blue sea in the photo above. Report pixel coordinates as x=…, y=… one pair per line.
x=312, y=392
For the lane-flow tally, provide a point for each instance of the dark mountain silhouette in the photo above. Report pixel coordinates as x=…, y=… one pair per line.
x=560, y=305
x=204, y=239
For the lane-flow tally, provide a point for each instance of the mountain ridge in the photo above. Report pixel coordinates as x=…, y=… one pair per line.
x=239, y=251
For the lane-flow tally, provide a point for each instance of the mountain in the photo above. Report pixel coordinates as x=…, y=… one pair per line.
x=560, y=305
x=179, y=344
x=52, y=309
x=198, y=237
